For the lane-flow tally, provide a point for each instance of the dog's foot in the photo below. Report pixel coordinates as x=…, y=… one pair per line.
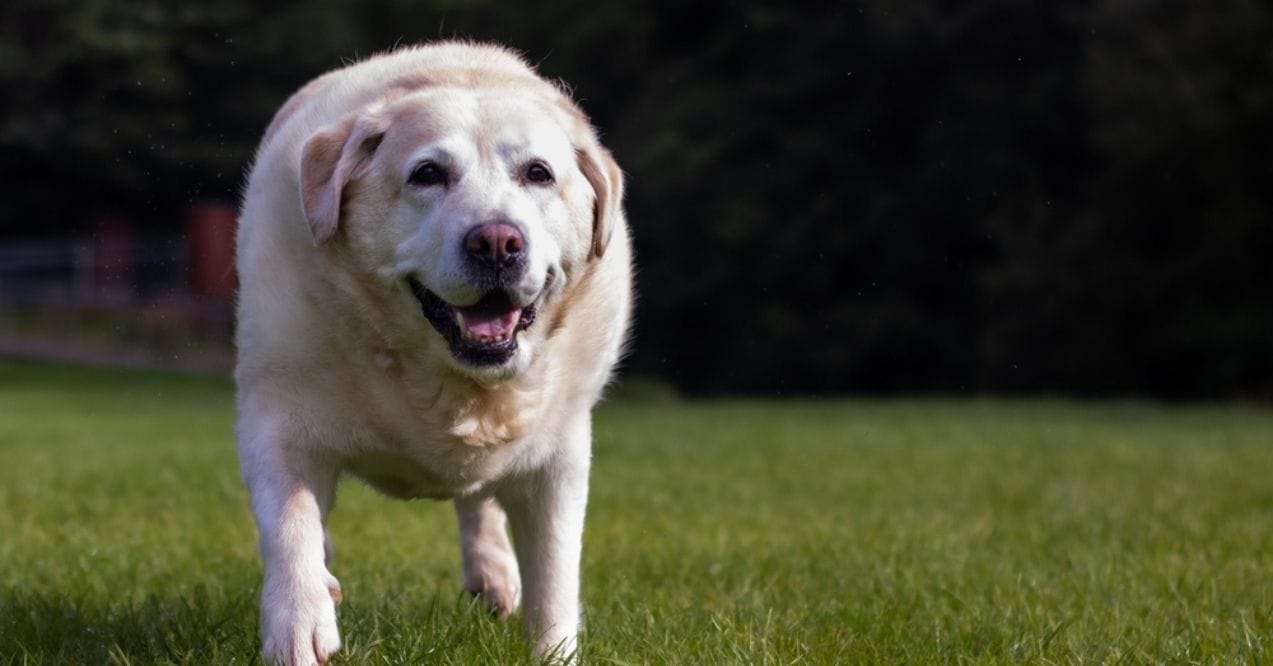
x=493, y=578
x=555, y=647
x=298, y=623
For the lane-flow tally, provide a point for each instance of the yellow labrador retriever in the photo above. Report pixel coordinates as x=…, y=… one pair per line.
x=436, y=285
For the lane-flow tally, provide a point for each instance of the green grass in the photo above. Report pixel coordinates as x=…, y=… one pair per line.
x=907, y=531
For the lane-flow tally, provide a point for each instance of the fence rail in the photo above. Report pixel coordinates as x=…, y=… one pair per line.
x=66, y=271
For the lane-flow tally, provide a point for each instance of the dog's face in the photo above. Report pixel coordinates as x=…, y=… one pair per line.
x=469, y=210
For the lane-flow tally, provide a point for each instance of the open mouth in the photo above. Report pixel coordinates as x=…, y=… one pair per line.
x=484, y=333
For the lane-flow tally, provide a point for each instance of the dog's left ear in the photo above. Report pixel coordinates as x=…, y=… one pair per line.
x=332, y=157
x=603, y=174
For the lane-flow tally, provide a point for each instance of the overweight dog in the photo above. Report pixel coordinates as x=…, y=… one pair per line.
x=435, y=286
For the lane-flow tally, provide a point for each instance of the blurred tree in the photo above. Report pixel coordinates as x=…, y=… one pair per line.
x=1185, y=101
x=825, y=183
x=98, y=111
x=144, y=107
x=826, y=196
x=1158, y=280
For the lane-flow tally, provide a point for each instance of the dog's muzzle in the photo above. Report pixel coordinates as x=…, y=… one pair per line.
x=481, y=334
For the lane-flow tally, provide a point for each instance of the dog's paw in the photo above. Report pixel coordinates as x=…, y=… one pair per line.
x=557, y=648
x=494, y=579
x=298, y=623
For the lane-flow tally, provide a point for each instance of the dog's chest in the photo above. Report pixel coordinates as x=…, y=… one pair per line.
x=422, y=437
x=405, y=477
x=435, y=467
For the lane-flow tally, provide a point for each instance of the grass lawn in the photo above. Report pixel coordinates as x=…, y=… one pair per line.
x=841, y=531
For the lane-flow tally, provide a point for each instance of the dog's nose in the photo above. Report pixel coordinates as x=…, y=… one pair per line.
x=498, y=245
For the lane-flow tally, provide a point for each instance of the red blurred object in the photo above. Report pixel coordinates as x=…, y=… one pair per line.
x=113, y=249
x=210, y=243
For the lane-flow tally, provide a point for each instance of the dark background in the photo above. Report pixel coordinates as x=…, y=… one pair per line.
x=871, y=197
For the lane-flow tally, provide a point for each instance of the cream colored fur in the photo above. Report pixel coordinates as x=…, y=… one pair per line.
x=339, y=371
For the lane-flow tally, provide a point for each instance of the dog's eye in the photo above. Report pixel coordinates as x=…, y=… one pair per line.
x=428, y=173
x=538, y=173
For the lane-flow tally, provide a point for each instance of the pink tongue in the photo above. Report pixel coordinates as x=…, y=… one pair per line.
x=489, y=324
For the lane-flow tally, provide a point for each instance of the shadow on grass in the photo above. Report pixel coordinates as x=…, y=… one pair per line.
x=198, y=625
x=207, y=625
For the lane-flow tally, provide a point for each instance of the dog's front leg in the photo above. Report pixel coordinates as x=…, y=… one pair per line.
x=490, y=568
x=290, y=497
x=546, y=511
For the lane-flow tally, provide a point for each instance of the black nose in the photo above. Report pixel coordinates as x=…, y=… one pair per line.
x=495, y=245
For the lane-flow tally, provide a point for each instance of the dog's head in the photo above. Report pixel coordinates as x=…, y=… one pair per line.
x=471, y=208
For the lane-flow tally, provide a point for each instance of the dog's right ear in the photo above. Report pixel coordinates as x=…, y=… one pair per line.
x=332, y=157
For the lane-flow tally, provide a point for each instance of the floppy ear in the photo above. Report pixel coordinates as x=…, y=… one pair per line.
x=603, y=174
x=330, y=159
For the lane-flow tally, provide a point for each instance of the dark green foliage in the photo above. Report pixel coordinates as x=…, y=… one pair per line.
x=827, y=196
